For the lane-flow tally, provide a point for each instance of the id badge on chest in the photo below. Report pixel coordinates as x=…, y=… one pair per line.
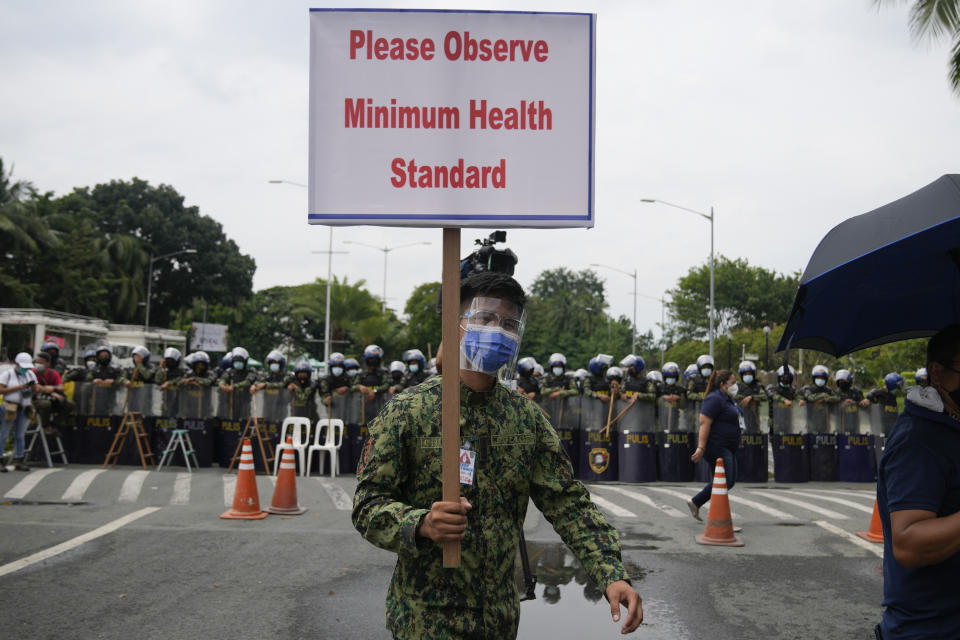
x=468, y=463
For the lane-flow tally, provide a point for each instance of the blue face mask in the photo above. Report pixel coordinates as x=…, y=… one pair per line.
x=238, y=365
x=488, y=349
x=22, y=371
x=274, y=367
x=747, y=379
x=414, y=368
x=337, y=371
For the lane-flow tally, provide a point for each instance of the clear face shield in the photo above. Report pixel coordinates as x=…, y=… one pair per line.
x=492, y=330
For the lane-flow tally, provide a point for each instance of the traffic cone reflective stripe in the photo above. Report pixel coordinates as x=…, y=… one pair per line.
x=719, y=529
x=246, y=500
x=284, y=500
x=876, y=527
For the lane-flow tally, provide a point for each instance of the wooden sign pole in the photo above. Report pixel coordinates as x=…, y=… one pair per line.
x=450, y=389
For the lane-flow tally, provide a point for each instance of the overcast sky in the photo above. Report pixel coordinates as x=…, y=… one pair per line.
x=785, y=117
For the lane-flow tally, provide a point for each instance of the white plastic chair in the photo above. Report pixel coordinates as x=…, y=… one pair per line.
x=301, y=438
x=331, y=432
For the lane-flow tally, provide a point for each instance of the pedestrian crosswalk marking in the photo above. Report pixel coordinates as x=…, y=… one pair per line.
x=24, y=487
x=800, y=503
x=229, y=487
x=872, y=547
x=645, y=499
x=615, y=509
x=762, y=508
x=181, y=488
x=340, y=498
x=867, y=495
x=132, y=485
x=846, y=503
x=80, y=485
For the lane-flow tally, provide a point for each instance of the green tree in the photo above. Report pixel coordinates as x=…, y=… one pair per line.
x=423, y=322
x=745, y=296
x=934, y=19
x=23, y=237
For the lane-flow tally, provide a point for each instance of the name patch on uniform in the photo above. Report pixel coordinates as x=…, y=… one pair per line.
x=513, y=438
x=428, y=443
x=468, y=463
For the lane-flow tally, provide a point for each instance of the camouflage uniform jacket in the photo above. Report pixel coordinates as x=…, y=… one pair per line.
x=276, y=380
x=753, y=390
x=207, y=379
x=594, y=386
x=412, y=379
x=566, y=385
x=812, y=393
x=852, y=393
x=378, y=380
x=882, y=396
x=696, y=387
x=779, y=393
x=639, y=387
x=518, y=458
x=529, y=384
x=140, y=373
x=330, y=384
x=162, y=374
x=108, y=372
x=240, y=379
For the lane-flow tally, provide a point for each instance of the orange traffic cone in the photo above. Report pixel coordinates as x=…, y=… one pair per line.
x=719, y=530
x=876, y=528
x=246, y=500
x=285, y=494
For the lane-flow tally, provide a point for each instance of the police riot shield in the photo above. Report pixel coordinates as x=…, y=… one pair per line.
x=303, y=404
x=690, y=419
x=636, y=441
x=857, y=459
x=752, y=459
x=822, y=456
x=789, y=419
x=848, y=417
x=143, y=399
x=271, y=405
x=568, y=430
x=756, y=417
x=598, y=453
x=882, y=419
x=233, y=405
x=96, y=425
x=233, y=410
x=821, y=417
x=197, y=402
x=353, y=412
x=94, y=400
x=670, y=415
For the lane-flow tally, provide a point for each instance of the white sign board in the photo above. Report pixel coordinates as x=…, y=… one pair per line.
x=451, y=118
x=208, y=337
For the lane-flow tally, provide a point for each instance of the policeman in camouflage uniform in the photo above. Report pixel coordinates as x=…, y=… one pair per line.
x=416, y=367
x=848, y=392
x=398, y=507
x=635, y=383
x=105, y=374
x=819, y=392
x=170, y=374
x=596, y=384
x=200, y=374
x=671, y=389
x=697, y=384
x=397, y=373
x=556, y=383
x=784, y=391
x=83, y=374
x=374, y=379
x=351, y=369
x=527, y=384
x=887, y=394
x=336, y=380
x=749, y=390
x=239, y=377
x=141, y=371
x=276, y=374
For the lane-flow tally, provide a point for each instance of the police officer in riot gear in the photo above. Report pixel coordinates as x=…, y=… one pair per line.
x=697, y=385
x=416, y=367
x=351, y=367
x=336, y=381
x=300, y=380
x=614, y=378
x=556, y=382
x=655, y=378
x=784, y=391
x=921, y=378
x=239, y=377
x=171, y=372
x=141, y=371
x=83, y=374
x=819, y=392
x=224, y=365
x=847, y=391
x=887, y=394
x=105, y=374
x=276, y=374
x=199, y=373
x=750, y=388
x=672, y=390
x=373, y=379
x=596, y=384
x=526, y=382
x=580, y=379
x=635, y=383
x=396, y=373
x=52, y=349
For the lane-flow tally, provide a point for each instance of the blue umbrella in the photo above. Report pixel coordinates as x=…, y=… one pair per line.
x=887, y=275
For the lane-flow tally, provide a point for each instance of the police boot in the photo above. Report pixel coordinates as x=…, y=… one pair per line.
x=19, y=465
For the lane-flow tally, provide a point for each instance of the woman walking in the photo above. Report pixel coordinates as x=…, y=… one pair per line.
x=719, y=433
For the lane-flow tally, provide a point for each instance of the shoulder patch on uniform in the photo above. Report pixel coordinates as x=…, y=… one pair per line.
x=366, y=455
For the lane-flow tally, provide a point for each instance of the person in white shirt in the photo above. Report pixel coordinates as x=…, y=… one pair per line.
x=16, y=386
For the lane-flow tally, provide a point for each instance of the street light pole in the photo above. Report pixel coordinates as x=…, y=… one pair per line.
x=766, y=355
x=634, y=276
x=146, y=319
x=709, y=217
x=386, y=250
x=663, y=322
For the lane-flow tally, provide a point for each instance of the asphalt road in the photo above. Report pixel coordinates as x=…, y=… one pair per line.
x=166, y=566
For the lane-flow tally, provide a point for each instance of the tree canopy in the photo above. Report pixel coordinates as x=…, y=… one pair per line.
x=935, y=19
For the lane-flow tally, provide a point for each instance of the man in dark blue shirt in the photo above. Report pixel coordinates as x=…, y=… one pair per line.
x=918, y=497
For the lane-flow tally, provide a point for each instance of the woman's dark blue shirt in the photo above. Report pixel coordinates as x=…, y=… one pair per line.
x=725, y=429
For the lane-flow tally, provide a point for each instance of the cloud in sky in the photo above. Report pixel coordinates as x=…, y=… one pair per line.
x=786, y=117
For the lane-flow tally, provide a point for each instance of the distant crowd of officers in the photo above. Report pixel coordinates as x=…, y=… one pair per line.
x=370, y=377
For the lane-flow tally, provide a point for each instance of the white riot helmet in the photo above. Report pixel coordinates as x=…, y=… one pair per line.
x=820, y=374
x=172, y=353
x=705, y=365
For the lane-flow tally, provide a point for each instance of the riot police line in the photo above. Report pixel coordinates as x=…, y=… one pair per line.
x=214, y=418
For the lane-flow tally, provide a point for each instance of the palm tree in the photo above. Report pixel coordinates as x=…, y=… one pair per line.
x=23, y=234
x=933, y=19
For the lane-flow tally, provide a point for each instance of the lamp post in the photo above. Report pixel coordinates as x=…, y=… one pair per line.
x=146, y=319
x=634, y=276
x=729, y=347
x=329, y=252
x=386, y=251
x=663, y=322
x=766, y=354
x=709, y=217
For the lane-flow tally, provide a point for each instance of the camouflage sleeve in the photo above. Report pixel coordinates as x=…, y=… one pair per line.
x=873, y=396
x=379, y=513
x=566, y=504
x=205, y=381
x=384, y=384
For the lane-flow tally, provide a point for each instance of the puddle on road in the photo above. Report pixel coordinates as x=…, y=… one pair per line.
x=568, y=604
x=32, y=503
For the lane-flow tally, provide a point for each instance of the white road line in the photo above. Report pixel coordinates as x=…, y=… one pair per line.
x=872, y=547
x=110, y=527
x=611, y=507
x=773, y=495
x=341, y=500
x=846, y=503
x=181, y=488
x=735, y=499
x=130, y=491
x=866, y=495
x=229, y=487
x=645, y=499
x=24, y=487
x=80, y=484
